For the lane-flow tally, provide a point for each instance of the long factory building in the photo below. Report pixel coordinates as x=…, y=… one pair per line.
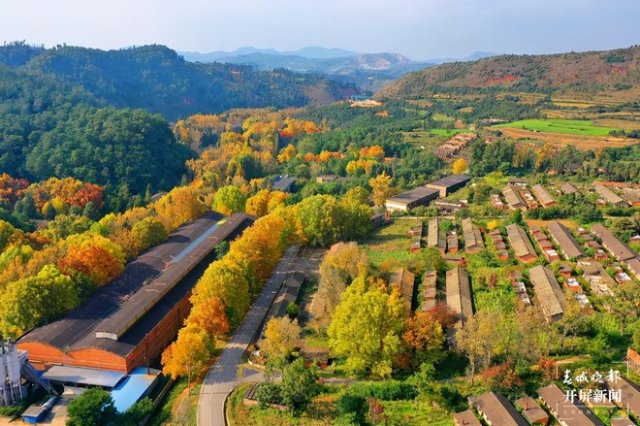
x=128, y=322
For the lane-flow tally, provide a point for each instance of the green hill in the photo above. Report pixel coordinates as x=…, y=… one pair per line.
x=156, y=78
x=614, y=73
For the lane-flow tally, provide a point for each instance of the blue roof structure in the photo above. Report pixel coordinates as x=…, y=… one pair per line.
x=133, y=387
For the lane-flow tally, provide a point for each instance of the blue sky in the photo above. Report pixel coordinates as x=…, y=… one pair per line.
x=418, y=28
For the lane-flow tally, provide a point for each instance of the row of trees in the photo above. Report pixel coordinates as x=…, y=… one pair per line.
x=223, y=295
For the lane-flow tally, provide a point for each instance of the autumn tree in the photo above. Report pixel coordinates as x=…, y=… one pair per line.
x=366, y=327
x=94, y=256
x=35, y=300
x=264, y=201
x=459, y=166
x=179, y=206
x=381, y=185
x=6, y=232
x=189, y=354
x=209, y=315
x=424, y=337
x=225, y=280
x=476, y=340
x=281, y=336
x=229, y=200
x=149, y=232
x=341, y=265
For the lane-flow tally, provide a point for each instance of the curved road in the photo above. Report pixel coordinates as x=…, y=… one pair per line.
x=222, y=378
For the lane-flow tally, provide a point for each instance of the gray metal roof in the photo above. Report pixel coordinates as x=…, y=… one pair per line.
x=130, y=306
x=83, y=376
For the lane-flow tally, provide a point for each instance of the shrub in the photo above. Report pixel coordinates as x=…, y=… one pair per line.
x=385, y=391
x=353, y=407
x=268, y=393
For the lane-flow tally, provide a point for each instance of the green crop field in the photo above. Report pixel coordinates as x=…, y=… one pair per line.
x=448, y=132
x=570, y=127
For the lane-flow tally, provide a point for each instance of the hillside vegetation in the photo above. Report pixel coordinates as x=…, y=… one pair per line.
x=614, y=71
x=156, y=78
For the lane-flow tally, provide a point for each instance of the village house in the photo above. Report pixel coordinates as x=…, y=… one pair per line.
x=521, y=244
x=429, y=290
x=496, y=410
x=619, y=250
x=459, y=298
x=473, y=242
x=568, y=189
x=436, y=236
x=532, y=411
x=404, y=280
x=466, y=418
x=609, y=196
x=567, y=243
x=545, y=199
x=566, y=411
x=594, y=273
x=548, y=292
x=514, y=199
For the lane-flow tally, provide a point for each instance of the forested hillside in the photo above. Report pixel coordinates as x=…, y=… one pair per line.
x=157, y=79
x=614, y=71
x=50, y=129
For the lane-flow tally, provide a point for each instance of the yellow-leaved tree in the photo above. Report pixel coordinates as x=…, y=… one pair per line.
x=381, y=186
x=460, y=165
x=189, y=354
x=366, y=327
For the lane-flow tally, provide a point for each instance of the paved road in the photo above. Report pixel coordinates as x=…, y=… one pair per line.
x=222, y=378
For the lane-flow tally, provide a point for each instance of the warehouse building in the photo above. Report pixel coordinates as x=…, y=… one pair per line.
x=449, y=184
x=407, y=200
x=128, y=322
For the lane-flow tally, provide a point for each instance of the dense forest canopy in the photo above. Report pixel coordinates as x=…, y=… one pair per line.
x=156, y=78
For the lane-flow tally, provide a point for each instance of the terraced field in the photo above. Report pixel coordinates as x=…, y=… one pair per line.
x=569, y=127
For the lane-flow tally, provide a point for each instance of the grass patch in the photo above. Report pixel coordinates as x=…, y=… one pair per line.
x=448, y=132
x=416, y=413
x=177, y=408
x=569, y=127
x=391, y=244
x=320, y=412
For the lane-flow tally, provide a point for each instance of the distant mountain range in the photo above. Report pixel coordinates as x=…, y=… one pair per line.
x=370, y=71
x=613, y=74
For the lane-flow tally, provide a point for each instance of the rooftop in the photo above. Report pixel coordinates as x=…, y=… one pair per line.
x=618, y=249
x=565, y=240
x=117, y=316
x=520, y=241
x=414, y=195
x=573, y=414
x=451, y=180
x=547, y=291
x=459, y=292
x=497, y=409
